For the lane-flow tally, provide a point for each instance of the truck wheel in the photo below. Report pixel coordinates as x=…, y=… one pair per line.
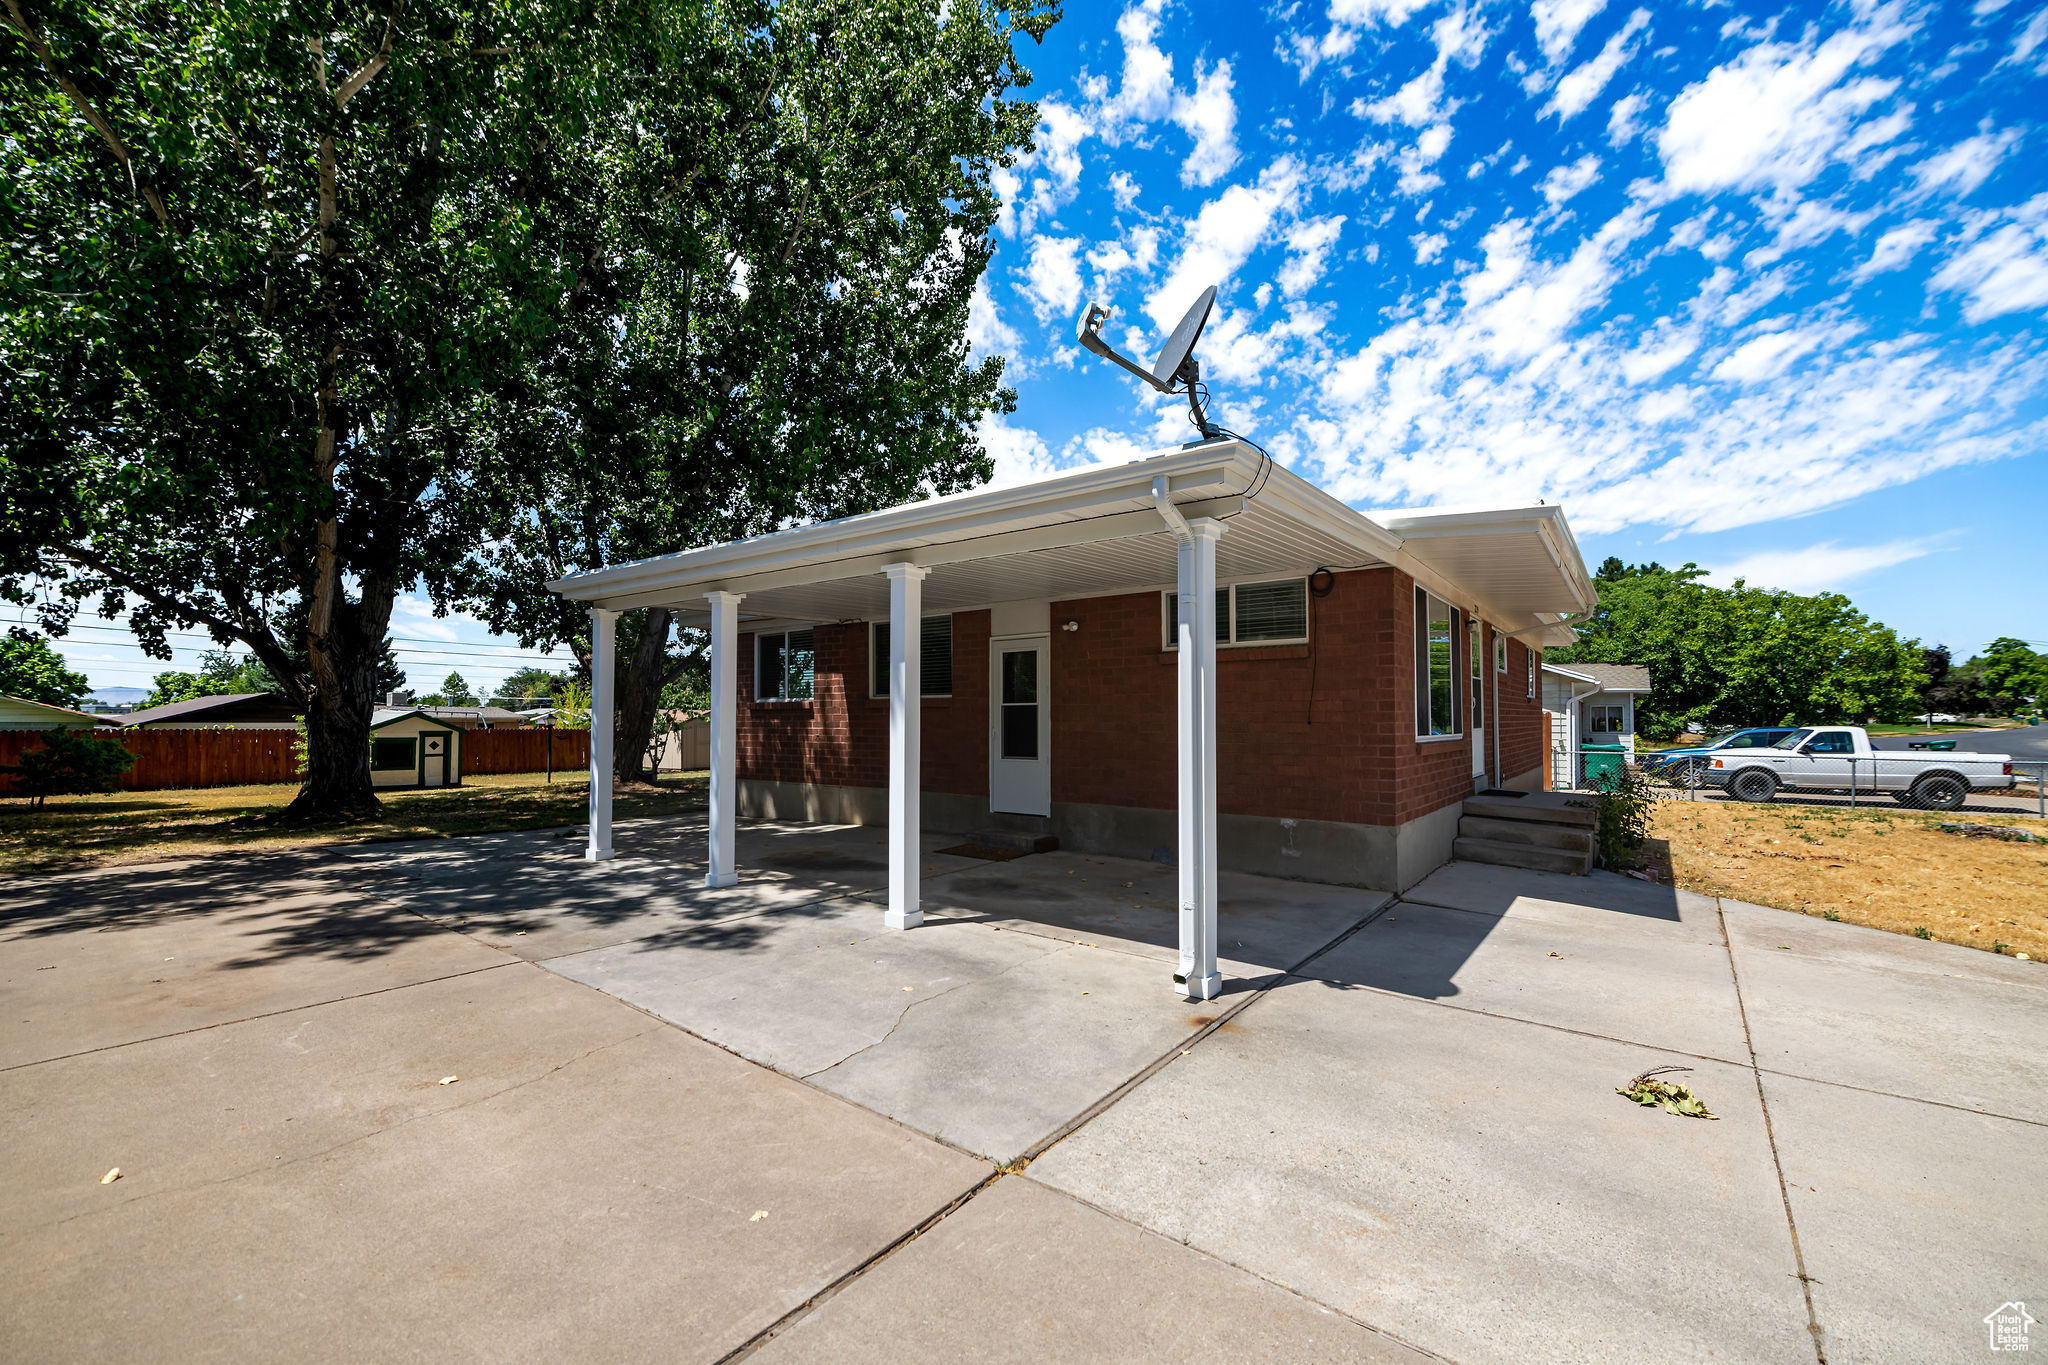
x=1754, y=785
x=1941, y=792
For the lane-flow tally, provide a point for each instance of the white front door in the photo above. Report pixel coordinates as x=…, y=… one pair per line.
x=1475, y=652
x=1020, y=725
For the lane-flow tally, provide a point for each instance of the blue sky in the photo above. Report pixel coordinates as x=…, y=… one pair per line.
x=1755, y=287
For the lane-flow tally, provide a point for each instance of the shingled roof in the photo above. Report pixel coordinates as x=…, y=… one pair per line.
x=1612, y=677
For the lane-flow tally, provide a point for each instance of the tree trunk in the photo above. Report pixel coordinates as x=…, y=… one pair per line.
x=639, y=697
x=339, y=707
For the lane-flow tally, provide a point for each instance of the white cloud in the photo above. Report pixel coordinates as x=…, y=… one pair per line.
x=1146, y=94
x=1414, y=162
x=2004, y=269
x=1558, y=23
x=1767, y=357
x=1565, y=181
x=1825, y=567
x=1020, y=455
x=1895, y=248
x=2029, y=40
x=1137, y=252
x=1459, y=37
x=1622, y=127
x=1308, y=246
x=1123, y=189
x=1052, y=277
x=1776, y=115
x=1583, y=84
x=1347, y=19
x=1428, y=247
x=1056, y=163
x=1209, y=116
x=1809, y=223
x=987, y=333
x=1966, y=165
x=1509, y=380
x=1222, y=237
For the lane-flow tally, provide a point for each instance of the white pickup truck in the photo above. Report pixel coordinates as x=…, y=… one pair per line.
x=1839, y=758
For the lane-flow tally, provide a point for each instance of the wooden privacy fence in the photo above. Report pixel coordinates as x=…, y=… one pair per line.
x=166, y=759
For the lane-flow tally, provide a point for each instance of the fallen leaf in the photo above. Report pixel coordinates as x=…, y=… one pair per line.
x=1557, y=955
x=759, y=1214
x=449, y=1080
x=111, y=1176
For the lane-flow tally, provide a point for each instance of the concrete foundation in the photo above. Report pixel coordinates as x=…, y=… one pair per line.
x=1378, y=857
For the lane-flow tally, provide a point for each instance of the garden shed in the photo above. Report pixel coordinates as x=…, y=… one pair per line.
x=409, y=748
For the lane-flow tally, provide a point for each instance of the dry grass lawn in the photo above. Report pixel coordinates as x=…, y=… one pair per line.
x=137, y=827
x=1887, y=868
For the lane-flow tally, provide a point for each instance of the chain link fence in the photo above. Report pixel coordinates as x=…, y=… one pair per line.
x=1918, y=781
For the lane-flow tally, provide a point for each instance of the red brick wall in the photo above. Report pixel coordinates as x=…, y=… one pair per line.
x=1344, y=751
x=841, y=736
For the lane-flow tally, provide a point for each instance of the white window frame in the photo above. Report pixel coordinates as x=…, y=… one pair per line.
x=1226, y=623
x=1457, y=633
x=1529, y=658
x=1500, y=652
x=873, y=695
x=783, y=635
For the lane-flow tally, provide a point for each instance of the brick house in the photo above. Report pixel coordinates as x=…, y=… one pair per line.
x=1334, y=688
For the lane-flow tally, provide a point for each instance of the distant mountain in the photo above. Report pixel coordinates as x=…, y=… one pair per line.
x=116, y=696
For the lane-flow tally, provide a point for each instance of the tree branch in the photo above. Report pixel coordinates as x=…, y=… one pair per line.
x=33, y=36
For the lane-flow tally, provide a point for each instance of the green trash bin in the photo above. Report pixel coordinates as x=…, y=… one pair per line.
x=1603, y=764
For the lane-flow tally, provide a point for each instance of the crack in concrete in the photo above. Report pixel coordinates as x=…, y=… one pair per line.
x=925, y=1000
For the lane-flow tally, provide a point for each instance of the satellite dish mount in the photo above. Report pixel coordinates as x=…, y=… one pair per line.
x=1176, y=370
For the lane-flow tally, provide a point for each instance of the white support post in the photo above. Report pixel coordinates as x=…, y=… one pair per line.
x=906, y=772
x=1197, y=854
x=603, y=665
x=725, y=634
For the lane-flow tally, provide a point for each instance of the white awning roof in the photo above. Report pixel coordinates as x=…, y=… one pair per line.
x=1094, y=532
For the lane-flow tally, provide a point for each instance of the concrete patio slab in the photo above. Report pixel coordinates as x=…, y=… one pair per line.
x=1026, y=1275
x=136, y=974
x=1933, y=1021
x=1402, y=1163
x=1915, y=1220
x=1677, y=994
x=1264, y=924
x=1600, y=899
x=536, y=896
x=595, y=1186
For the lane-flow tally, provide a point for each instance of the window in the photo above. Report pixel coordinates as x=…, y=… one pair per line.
x=1831, y=742
x=393, y=755
x=935, y=640
x=1475, y=650
x=1250, y=614
x=1500, y=653
x=783, y=666
x=1020, y=703
x=1436, y=674
x=1606, y=720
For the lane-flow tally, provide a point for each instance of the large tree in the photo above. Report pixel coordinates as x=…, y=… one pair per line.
x=775, y=247
x=1742, y=655
x=264, y=266
x=33, y=671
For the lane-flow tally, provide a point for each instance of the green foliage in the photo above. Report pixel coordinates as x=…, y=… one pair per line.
x=454, y=692
x=1625, y=801
x=72, y=764
x=528, y=688
x=220, y=674
x=572, y=706
x=33, y=671
x=1744, y=656
x=1647, y=1090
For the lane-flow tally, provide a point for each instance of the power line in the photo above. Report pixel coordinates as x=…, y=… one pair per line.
x=505, y=652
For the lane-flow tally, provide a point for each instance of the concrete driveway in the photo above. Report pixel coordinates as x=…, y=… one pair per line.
x=698, y=1125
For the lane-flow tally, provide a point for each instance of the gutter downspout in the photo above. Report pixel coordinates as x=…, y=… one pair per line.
x=1163, y=500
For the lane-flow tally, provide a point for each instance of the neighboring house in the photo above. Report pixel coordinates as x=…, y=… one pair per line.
x=19, y=713
x=478, y=717
x=684, y=740
x=410, y=748
x=1591, y=704
x=1017, y=659
x=242, y=710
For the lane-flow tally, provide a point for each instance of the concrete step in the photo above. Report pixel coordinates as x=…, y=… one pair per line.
x=1571, y=838
x=1547, y=808
x=1024, y=841
x=1531, y=857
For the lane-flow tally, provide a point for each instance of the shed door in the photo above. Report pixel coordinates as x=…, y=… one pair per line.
x=433, y=760
x=1020, y=725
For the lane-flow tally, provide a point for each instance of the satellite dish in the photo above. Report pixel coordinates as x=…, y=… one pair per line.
x=1176, y=370
x=1175, y=353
